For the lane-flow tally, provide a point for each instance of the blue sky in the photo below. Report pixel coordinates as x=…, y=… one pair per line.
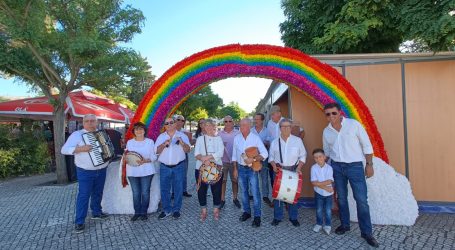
x=177, y=29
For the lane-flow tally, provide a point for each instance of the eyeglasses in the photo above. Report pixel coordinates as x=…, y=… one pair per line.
x=331, y=113
x=227, y=121
x=285, y=126
x=169, y=123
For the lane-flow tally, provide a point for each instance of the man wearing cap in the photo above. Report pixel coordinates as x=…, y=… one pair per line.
x=273, y=131
x=180, y=126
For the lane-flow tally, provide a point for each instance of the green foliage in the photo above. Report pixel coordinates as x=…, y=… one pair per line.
x=367, y=26
x=233, y=109
x=24, y=154
x=204, y=99
x=430, y=22
x=197, y=114
x=69, y=44
x=116, y=98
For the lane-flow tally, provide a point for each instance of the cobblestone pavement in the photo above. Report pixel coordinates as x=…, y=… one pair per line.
x=37, y=215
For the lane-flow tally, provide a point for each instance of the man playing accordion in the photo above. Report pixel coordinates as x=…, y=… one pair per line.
x=91, y=178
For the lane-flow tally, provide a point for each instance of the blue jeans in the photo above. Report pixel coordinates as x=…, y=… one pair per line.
x=278, y=210
x=141, y=193
x=91, y=185
x=171, y=177
x=247, y=178
x=323, y=209
x=185, y=176
x=264, y=173
x=355, y=174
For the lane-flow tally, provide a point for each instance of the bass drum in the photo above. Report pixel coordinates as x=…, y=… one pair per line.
x=287, y=186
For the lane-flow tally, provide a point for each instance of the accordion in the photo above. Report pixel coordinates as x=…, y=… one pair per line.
x=102, y=148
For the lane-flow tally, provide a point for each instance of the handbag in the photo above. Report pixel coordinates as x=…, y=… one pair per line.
x=209, y=173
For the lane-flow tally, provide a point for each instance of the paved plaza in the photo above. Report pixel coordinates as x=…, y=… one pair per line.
x=36, y=214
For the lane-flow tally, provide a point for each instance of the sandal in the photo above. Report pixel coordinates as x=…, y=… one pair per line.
x=203, y=214
x=216, y=213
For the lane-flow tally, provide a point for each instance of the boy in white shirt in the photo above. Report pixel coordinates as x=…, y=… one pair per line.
x=322, y=179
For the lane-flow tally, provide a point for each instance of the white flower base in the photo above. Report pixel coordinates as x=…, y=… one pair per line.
x=389, y=196
x=119, y=200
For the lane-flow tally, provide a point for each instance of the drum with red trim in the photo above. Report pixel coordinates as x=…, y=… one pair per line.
x=287, y=186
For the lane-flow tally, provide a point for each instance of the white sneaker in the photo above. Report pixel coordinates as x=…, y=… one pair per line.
x=317, y=228
x=327, y=229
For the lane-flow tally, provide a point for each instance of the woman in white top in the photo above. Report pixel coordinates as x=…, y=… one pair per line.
x=209, y=148
x=140, y=177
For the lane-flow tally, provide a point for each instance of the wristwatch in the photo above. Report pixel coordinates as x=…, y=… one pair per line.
x=369, y=163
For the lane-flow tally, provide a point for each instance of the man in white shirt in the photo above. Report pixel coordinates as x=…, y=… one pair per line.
x=286, y=152
x=273, y=131
x=347, y=145
x=171, y=147
x=242, y=168
x=260, y=130
x=227, y=135
x=180, y=126
x=91, y=179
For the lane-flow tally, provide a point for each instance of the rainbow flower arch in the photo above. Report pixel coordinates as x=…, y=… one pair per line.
x=322, y=83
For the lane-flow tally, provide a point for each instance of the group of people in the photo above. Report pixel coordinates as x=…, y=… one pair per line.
x=345, y=146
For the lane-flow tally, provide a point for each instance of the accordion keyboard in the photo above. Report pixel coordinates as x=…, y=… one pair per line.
x=102, y=149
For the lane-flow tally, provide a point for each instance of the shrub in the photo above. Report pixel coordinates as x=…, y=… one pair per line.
x=23, y=154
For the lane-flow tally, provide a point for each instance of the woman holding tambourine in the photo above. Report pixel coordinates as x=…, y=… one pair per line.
x=208, y=153
x=140, y=169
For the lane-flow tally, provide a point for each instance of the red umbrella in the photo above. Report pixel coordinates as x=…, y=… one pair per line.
x=77, y=105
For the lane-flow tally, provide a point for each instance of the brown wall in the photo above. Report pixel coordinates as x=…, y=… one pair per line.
x=313, y=121
x=430, y=101
x=283, y=102
x=430, y=95
x=380, y=88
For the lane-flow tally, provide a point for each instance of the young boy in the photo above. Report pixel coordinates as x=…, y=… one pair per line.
x=322, y=179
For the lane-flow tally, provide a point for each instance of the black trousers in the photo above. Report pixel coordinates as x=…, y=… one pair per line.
x=202, y=192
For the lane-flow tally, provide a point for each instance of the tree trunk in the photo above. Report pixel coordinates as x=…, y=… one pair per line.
x=59, y=138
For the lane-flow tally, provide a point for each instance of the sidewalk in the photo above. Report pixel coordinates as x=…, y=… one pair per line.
x=37, y=215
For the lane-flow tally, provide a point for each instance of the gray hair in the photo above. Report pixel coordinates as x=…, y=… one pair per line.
x=247, y=120
x=210, y=122
x=285, y=120
x=87, y=116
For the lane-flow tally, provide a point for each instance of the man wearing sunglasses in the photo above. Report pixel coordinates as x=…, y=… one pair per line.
x=227, y=135
x=180, y=126
x=347, y=145
x=171, y=147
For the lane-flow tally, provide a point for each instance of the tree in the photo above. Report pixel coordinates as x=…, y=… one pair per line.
x=197, y=114
x=205, y=99
x=431, y=23
x=366, y=26
x=67, y=45
x=233, y=109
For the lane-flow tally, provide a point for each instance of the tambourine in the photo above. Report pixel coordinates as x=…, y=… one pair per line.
x=132, y=158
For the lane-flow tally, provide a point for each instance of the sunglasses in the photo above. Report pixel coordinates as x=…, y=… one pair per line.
x=227, y=121
x=169, y=123
x=180, y=120
x=331, y=113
